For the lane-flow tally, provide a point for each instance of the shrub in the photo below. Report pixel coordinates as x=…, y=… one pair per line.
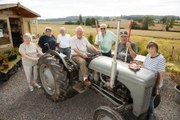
x=91, y=39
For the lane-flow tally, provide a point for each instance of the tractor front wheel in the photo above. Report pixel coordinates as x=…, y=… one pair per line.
x=106, y=113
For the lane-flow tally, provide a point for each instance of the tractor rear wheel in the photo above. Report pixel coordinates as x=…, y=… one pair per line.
x=106, y=113
x=53, y=77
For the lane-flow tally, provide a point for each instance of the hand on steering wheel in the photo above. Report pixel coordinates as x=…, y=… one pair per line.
x=85, y=55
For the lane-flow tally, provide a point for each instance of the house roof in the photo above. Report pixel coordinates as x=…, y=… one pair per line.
x=19, y=9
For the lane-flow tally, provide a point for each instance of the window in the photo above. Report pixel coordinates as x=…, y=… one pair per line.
x=4, y=33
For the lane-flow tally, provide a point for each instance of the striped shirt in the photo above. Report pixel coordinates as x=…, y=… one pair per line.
x=156, y=64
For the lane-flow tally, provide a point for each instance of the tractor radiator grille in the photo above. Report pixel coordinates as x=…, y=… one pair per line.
x=147, y=96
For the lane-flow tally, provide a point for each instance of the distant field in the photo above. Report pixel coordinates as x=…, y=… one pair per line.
x=162, y=27
x=89, y=30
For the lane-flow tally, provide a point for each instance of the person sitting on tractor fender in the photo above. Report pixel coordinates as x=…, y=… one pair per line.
x=79, y=45
x=122, y=48
x=105, y=39
x=156, y=62
x=47, y=41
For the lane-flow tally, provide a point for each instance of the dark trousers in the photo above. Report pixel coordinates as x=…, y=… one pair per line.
x=107, y=54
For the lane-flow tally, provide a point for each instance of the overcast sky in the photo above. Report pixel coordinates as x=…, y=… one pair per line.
x=63, y=8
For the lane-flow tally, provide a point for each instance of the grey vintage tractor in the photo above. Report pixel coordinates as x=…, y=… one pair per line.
x=129, y=91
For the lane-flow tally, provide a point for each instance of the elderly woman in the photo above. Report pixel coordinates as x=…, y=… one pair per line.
x=30, y=58
x=154, y=61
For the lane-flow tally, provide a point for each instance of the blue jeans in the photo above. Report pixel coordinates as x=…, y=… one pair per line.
x=66, y=51
x=151, y=107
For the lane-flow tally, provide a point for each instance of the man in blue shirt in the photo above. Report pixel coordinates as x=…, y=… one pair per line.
x=47, y=41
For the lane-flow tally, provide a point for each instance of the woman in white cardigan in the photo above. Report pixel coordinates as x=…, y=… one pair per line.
x=30, y=55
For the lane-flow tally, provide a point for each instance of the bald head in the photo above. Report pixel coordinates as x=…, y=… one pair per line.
x=63, y=31
x=79, y=32
x=79, y=28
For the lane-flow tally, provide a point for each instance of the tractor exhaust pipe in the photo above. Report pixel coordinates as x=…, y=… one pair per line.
x=114, y=62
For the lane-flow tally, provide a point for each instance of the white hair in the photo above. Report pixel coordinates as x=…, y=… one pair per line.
x=103, y=24
x=79, y=28
x=48, y=28
x=27, y=35
x=63, y=28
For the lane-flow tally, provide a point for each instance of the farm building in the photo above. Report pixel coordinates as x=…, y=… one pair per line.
x=15, y=20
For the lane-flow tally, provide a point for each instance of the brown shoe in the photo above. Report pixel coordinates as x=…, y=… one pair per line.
x=87, y=82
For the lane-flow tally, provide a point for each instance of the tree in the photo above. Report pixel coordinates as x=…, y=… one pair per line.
x=167, y=22
x=135, y=25
x=90, y=21
x=80, y=19
x=106, y=18
x=78, y=23
x=147, y=21
x=163, y=20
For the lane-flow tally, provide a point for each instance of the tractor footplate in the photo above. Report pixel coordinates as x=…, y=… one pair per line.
x=80, y=87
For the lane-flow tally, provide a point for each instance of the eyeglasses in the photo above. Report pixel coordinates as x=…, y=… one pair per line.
x=103, y=28
x=48, y=30
x=123, y=33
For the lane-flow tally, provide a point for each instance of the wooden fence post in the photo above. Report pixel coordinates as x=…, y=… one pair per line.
x=171, y=56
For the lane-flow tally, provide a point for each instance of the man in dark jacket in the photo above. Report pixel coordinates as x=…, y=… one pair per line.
x=47, y=41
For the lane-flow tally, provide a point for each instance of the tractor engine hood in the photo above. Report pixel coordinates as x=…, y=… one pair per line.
x=140, y=83
x=102, y=64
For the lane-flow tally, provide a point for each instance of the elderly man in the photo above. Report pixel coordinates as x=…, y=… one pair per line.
x=64, y=42
x=105, y=39
x=47, y=41
x=122, y=48
x=79, y=45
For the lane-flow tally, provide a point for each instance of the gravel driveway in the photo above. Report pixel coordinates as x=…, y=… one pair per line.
x=17, y=103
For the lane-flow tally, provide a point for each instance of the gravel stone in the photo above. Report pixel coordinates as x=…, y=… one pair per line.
x=18, y=103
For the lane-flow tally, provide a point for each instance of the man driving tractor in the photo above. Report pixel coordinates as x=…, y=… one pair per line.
x=79, y=46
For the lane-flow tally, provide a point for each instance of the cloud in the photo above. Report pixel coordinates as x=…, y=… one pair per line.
x=63, y=8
